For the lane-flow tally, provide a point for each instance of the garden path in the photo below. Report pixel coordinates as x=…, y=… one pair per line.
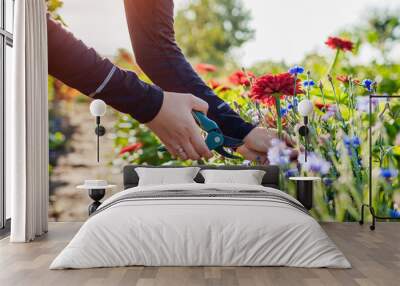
x=79, y=163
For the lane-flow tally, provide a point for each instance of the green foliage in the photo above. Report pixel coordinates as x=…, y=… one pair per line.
x=56, y=140
x=52, y=8
x=381, y=30
x=345, y=185
x=207, y=30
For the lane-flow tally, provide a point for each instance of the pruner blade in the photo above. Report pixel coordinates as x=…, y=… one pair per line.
x=221, y=150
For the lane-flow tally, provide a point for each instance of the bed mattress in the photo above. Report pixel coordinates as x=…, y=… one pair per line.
x=201, y=225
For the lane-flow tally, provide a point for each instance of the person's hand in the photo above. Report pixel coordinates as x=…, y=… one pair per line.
x=257, y=143
x=176, y=127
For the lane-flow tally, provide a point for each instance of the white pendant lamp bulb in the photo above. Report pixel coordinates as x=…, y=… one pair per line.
x=98, y=108
x=305, y=109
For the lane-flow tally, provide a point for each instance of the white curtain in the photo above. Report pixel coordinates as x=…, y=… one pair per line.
x=27, y=124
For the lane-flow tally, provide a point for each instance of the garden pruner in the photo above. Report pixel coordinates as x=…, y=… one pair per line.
x=215, y=139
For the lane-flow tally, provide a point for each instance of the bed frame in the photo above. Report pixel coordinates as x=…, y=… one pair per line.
x=270, y=179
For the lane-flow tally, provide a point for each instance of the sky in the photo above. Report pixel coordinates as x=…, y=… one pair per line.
x=285, y=29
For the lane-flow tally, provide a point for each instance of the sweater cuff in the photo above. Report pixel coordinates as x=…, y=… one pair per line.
x=151, y=104
x=243, y=130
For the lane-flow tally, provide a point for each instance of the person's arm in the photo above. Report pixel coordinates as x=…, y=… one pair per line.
x=151, y=27
x=167, y=114
x=80, y=67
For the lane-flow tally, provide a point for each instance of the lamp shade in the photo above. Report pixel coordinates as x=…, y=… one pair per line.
x=98, y=107
x=305, y=107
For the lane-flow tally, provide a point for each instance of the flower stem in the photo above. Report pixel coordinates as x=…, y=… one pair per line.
x=278, y=113
x=339, y=113
x=322, y=93
x=334, y=62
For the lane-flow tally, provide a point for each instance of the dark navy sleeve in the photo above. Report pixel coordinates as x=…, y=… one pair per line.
x=151, y=27
x=80, y=67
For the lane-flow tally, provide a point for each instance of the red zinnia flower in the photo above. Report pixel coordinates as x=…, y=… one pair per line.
x=205, y=68
x=131, y=148
x=322, y=106
x=345, y=79
x=216, y=85
x=266, y=86
x=241, y=78
x=339, y=44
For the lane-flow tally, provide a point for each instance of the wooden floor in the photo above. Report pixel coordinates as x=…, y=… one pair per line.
x=375, y=257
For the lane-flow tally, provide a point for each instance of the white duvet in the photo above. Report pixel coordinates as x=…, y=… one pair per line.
x=200, y=231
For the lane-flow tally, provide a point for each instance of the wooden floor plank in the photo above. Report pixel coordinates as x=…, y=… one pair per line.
x=375, y=257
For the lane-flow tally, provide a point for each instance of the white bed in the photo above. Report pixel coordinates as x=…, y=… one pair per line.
x=268, y=228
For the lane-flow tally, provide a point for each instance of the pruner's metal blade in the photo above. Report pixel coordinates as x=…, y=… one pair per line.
x=232, y=142
x=221, y=151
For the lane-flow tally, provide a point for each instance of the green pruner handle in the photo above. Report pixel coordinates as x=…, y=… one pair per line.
x=204, y=122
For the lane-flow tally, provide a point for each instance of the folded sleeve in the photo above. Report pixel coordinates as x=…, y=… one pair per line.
x=82, y=68
x=151, y=27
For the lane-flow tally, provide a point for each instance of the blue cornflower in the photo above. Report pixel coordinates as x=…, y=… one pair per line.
x=283, y=111
x=347, y=141
x=315, y=163
x=308, y=83
x=291, y=173
x=296, y=70
x=356, y=141
x=278, y=153
x=290, y=106
x=394, y=213
x=327, y=181
x=368, y=84
x=388, y=173
x=351, y=141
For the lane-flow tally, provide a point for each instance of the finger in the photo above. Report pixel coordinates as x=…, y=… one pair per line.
x=294, y=155
x=288, y=140
x=181, y=155
x=171, y=150
x=199, y=144
x=252, y=155
x=170, y=145
x=188, y=148
x=199, y=104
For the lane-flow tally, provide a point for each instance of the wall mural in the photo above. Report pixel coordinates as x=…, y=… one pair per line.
x=267, y=94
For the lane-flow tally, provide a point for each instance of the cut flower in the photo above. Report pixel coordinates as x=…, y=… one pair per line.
x=266, y=87
x=270, y=89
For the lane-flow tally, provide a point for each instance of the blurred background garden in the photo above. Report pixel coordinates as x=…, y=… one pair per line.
x=233, y=44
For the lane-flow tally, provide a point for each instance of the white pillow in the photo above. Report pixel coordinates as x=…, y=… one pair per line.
x=248, y=177
x=166, y=176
